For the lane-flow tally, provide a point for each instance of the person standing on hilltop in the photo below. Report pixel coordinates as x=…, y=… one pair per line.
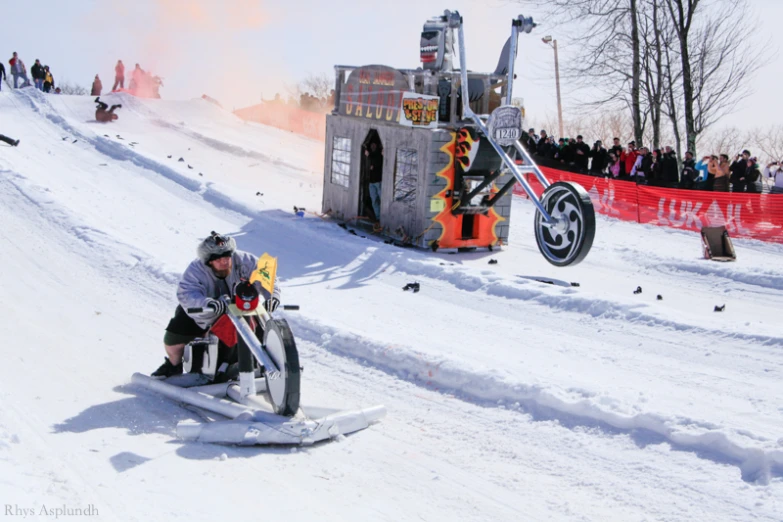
x=119, y=76
x=48, y=80
x=97, y=86
x=18, y=70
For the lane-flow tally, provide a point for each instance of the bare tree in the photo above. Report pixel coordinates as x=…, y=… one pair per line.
x=656, y=35
x=72, y=88
x=609, y=61
x=715, y=60
x=680, y=59
x=769, y=141
x=319, y=86
x=725, y=140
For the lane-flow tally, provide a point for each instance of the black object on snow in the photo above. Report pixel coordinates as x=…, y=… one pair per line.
x=181, y=159
x=659, y=297
x=190, y=167
x=74, y=141
x=411, y=286
x=259, y=193
x=493, y=262
x=200, y=174
x=719, y=308
x=638, y=290
x=169, y=156
x=574, y=284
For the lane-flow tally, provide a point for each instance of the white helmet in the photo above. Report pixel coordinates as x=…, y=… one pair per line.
x=216, y=246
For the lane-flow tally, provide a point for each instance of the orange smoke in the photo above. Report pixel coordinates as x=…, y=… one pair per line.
x=199, y=47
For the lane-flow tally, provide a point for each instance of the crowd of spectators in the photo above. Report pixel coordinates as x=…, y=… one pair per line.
x=659, y=167
x=43, y=79
x=142, y=83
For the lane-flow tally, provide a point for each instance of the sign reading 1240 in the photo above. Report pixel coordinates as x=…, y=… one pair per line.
x=507, y=134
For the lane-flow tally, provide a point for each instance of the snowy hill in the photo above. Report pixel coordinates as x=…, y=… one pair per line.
x=509, y=398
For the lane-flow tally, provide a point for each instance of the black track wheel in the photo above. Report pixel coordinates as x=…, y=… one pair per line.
x=567, y=241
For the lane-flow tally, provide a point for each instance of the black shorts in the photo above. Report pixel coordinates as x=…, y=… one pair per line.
x=182, y=329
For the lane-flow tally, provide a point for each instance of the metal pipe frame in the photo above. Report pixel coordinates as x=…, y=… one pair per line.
x=272, y=371
x=468, y=113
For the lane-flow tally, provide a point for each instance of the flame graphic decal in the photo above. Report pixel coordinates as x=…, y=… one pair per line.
x=451, y=233
x=466, y=149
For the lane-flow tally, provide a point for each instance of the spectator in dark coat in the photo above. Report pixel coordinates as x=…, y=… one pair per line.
x=3, y=76
x=581, y=154
x=531, y=141
x=544, y=145
x=669, y=173
x=656, y=171
x=556, y=149
x=752, y=175
x=39, y=75
x=689, y=172
x=119, y=76
x=566, y=152
x=642, y=169
x=599, y=158
x=738, y=169
x=616, y=147
x=97, y=86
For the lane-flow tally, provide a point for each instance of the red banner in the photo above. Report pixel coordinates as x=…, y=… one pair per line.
x=282, y=116
x=755, y=216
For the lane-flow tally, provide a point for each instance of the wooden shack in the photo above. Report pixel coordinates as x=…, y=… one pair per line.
x=443, y=186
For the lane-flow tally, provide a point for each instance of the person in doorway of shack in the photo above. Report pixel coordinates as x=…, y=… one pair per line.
x=375, y=166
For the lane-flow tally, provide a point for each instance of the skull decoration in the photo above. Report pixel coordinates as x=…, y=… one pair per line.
x=437, y=44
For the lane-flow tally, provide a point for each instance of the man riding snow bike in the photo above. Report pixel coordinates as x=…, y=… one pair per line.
x=220, y=270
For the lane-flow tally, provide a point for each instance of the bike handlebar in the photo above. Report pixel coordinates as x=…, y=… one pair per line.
x=201, y=309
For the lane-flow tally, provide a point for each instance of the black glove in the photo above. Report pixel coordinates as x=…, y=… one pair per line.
x=271, y=304
x=219, y=307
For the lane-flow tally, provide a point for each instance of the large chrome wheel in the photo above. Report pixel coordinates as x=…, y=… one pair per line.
x=568, y=238
x=282, y=383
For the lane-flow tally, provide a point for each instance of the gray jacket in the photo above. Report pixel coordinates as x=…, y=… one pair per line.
x=199, y=284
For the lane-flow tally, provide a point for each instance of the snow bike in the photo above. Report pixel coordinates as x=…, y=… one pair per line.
x=263, y=402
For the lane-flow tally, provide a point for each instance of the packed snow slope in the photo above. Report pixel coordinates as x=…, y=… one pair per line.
x=512, y=395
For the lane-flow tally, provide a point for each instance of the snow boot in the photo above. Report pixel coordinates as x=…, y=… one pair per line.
x=167, y=369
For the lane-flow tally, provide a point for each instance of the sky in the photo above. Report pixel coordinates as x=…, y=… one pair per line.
x=239, y=51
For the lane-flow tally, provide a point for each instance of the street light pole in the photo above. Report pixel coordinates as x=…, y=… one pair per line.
x=557, y=81
x=553, y=43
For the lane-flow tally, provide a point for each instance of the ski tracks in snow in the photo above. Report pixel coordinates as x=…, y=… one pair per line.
x=756, y=464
